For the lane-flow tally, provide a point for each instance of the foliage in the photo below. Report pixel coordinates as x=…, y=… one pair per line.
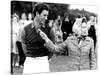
x=55, y=9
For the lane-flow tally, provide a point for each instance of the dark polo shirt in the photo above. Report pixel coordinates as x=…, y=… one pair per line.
x=34, y=44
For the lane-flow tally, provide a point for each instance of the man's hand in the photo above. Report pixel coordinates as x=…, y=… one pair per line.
x=43, y=35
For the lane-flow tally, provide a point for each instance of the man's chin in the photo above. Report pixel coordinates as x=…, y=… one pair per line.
x=43, y=22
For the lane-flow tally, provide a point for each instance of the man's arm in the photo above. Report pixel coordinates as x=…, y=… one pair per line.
x=22, y=36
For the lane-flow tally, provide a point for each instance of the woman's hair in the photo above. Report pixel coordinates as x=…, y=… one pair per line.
x=39, y=8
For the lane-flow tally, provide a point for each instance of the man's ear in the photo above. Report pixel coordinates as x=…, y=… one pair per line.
x=37, y=14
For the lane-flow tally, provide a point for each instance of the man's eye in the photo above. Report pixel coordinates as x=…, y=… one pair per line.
x=45, y=15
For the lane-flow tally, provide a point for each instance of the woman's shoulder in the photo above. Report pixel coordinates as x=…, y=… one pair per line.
x=89, y=39
x=71, y=37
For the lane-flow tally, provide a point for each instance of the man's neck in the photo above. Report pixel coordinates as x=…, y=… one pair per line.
x=35, y=22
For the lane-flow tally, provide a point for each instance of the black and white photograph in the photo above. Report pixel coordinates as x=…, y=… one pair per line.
x=48, y=37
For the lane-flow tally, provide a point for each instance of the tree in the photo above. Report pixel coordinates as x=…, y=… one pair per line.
x=57, y=9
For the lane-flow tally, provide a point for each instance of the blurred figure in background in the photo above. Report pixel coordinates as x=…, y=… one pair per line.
x=22, y=56
x=92, y=28
x=23, y=21
x=14, y=34
x=30, y=18
x=66, y=27
x=57, y=38
x=51, y=21
x=56, y=31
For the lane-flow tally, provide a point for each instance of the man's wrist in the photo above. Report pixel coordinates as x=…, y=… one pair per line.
x=47, y=40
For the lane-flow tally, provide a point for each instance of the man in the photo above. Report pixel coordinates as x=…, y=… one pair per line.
x=35, y=51
x=81, y=54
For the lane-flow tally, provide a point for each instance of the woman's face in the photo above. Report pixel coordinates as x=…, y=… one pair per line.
x=92, y=18
x=84, y=30
x=51, y=23
x=30, y=16
x=23, y=16
x=15, y=19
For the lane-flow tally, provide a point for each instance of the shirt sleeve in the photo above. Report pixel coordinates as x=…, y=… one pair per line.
x=22, y=36
x=56, y=47
x=92, y=57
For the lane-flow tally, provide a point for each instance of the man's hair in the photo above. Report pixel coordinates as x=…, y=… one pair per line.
x=39, y=8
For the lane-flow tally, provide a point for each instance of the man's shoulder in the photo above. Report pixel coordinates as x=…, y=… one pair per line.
x=46, y=26
x=28, y=26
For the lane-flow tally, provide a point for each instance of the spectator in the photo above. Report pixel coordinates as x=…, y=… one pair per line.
x=51, y=21
x=15, y=29
x=66, y=27
x=92, y=29
x=30, y=17
x=57, y=36
x=23, y=21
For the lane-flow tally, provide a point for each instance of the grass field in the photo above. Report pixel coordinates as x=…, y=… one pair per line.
x=56, y=64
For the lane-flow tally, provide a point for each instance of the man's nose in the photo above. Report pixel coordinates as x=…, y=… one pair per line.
x=46, y=18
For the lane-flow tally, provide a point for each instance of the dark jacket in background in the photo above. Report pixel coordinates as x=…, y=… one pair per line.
x=92, y=34
x=67, y=28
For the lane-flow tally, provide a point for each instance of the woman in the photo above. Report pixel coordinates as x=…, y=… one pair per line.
x=15, y=30
x=56, y=32
x=30, y=17
x=81, y=55
x=23, y=21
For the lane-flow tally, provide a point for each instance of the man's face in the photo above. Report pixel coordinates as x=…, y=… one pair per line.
x=42, y=17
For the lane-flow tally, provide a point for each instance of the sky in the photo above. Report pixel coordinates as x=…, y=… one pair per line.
x=90, y=8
